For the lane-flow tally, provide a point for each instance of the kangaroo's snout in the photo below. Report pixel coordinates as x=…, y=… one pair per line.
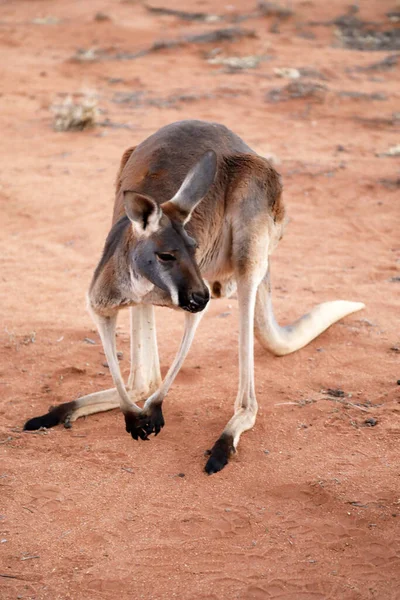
x=195, y=301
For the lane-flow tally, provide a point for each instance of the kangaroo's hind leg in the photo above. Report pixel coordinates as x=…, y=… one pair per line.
x=251, y=264
x=245, y=410
x=144, y=377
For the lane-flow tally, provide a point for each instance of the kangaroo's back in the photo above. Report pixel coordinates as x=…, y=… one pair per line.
x=158, y=166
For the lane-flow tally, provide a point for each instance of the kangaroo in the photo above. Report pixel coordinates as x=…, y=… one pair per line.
x=197, y=213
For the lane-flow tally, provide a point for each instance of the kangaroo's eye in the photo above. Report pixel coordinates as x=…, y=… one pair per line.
x=165, y=256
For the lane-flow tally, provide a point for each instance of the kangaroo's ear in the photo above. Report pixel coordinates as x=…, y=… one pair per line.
x=144, y=213
x=193, y=189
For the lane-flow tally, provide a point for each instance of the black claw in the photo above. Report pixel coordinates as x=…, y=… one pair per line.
x=141, y=425
x=219, y=454
x=67, y=422
x=158, y=419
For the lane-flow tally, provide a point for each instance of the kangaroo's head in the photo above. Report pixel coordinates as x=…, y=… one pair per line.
x=164, y=253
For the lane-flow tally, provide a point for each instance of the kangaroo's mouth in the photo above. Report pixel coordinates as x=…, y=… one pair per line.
x=194, y=309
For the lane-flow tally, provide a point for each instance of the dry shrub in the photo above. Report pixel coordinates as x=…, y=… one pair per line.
x=355, y=34
x=298, y=89
x=76, y=115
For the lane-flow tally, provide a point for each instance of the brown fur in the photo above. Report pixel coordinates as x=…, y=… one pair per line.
x=124, y=159
x=247, y=189
x=174, y=213
x=157, y=166
x=248, y=170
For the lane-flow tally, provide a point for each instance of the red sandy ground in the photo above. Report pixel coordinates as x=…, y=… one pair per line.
x=310, y=508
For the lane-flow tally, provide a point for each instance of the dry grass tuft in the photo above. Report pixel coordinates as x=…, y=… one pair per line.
x=76, y=115
x=314, y=92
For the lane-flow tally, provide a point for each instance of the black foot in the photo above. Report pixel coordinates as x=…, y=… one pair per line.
x=55, y=416
x=219, y=454
x=141, y=425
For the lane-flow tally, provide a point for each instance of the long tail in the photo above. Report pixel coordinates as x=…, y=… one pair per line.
x=284, y=340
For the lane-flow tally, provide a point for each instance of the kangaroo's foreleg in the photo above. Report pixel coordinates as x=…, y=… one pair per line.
x=135, y=421
x=151, y=419
x=246, y=404
x=144, y=376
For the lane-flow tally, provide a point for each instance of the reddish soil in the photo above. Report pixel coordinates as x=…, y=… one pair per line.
x=310, y=508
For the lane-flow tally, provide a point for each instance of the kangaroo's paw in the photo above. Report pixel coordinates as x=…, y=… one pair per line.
x=219, y=454
x=55, y=416
x=141, y=425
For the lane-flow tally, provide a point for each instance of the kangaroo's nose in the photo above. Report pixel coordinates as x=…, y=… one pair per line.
x=200, y=300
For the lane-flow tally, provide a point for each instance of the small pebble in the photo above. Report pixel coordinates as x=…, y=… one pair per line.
x=100, y=16
x=371, y=422
x=120, y=356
